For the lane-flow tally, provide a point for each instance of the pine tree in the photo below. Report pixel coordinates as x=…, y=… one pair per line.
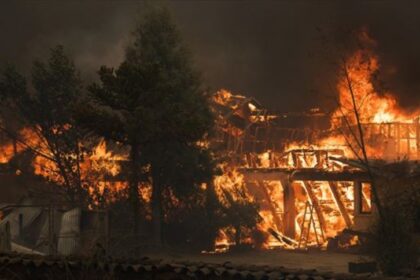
x=45, y=107
x=155, y=104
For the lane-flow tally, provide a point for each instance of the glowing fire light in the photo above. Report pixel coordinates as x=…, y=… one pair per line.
x=374, y=108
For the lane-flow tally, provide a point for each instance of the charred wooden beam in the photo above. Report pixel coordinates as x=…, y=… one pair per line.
x=264, y=170
x=357, y=196
x=322, y=175
x=289, y=215
x=304, y=174
x=264, y=176
x=339, y=203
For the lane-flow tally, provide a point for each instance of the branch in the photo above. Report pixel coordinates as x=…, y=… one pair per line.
x=26, y=145
x=362, y=142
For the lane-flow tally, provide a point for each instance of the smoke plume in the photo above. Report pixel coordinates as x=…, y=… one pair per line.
x=265, y=49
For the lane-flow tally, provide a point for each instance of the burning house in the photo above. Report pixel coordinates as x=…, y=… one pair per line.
x=306, y=170
x=312, y=191
x=306, y=193
x=35, y=217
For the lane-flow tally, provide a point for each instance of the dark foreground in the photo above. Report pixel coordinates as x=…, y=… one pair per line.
x=14, y=266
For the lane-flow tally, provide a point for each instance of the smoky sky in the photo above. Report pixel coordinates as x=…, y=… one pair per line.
x=266, y=49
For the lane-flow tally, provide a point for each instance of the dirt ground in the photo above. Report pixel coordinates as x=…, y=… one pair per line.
x=319, y=260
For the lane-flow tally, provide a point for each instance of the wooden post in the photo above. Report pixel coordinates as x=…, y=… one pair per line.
x=417, y=123
x=289, y=213
x=357, y=195
x=302, y=227
x=398, y=136
x=296, y=163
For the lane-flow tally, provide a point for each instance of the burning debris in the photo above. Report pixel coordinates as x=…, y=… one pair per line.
x=294, y=206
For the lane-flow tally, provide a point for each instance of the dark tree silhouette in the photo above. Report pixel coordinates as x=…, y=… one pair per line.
x=155, y=104
x=46, y=108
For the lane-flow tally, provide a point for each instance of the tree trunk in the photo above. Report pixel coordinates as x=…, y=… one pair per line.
x=157, y=217
x=133, y=187
x=15, y=150
x=238, y=235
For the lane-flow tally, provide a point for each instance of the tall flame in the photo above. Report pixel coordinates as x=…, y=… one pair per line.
x=358, y=74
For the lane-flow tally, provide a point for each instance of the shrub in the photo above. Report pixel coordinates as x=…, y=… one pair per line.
x=392, y=242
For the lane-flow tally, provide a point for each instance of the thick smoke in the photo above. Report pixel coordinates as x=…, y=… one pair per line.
x=267, y=49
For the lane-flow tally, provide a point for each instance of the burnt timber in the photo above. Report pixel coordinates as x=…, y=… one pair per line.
x=304, y=174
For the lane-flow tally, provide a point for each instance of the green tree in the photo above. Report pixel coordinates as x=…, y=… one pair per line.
x=155, y=104
x=45, y=107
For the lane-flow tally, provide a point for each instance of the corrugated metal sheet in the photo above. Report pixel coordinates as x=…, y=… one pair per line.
x=43, y=236
x=28, y=214
x=69, y=236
